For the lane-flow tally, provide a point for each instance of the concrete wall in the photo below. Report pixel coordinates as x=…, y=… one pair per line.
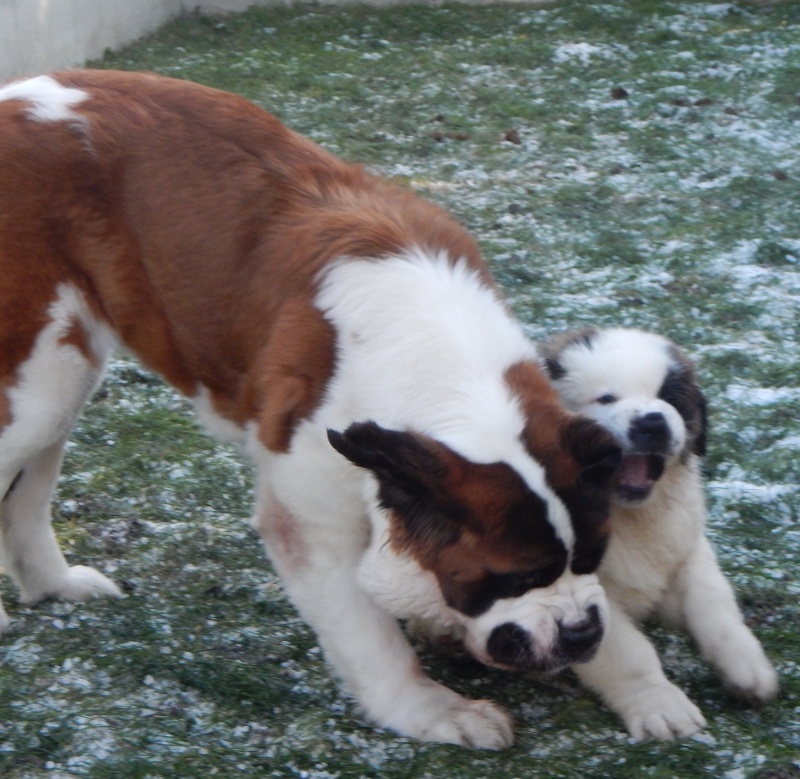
x=41, y=35
x=37, y=36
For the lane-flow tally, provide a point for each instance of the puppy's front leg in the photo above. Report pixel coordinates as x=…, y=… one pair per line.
x=703, y=602
x=364, y=644
x=627, y=674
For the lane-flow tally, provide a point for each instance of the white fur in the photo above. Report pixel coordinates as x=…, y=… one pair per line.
x=658, y=560
x=425, y=345
x=400, y=587
x=222, y=429
x=51, y=387
x=628, y=364
x=422, y=345
x=540, y=611
x=50, y=101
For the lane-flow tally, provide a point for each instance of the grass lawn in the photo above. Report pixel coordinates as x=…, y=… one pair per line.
x=630, y=163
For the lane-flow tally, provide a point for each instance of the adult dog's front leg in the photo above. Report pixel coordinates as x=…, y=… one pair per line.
x=364, y=644
x=627, y=674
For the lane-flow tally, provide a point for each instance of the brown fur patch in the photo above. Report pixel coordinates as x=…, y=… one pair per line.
x=189, y=217
x=546, y=423
x=475, y=526
x=282, y=531
x=78, y=336
x=578, y=455
x=291, y=372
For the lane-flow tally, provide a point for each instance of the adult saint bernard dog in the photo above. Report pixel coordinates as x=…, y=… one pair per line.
x=643, y=390
x=412, y=457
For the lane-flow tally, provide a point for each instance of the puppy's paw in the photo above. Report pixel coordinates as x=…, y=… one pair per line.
x=661, y=712
x=5, y=622
x=476, y=724
x=79, y=584
x=752, y=678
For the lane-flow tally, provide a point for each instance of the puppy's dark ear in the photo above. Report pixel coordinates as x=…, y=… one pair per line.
x=552, y=348
x=596, y=450
x=699, y=447
x=554, y=369
x=681, y=391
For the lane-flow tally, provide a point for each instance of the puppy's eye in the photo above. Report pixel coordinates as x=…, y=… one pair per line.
x=606, y=399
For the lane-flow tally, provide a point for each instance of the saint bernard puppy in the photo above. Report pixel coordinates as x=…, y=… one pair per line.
x=643, y=390
x=411, y=455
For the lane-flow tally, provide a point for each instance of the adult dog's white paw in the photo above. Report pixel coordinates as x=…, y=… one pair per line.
x=84, y=583
x=477, y=724
x=660, y=712
x=79, y=584
x=431, y=712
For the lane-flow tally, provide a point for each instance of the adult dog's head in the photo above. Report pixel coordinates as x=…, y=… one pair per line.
x=642, y=389
x=504, y=551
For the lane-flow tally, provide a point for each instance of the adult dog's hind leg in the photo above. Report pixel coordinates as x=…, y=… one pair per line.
x=39, y=400
x=28, y=546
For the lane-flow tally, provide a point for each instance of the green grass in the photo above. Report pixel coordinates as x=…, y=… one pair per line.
x=672, y=205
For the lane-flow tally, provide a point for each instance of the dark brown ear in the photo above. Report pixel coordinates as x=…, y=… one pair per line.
x=395, y=457
x=597, y=452
x=553, y=347
x=680, y=390
x=702, y=424
x=412, y=474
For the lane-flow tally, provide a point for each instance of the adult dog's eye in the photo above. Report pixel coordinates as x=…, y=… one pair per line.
x=606, y=399
x=517, y=584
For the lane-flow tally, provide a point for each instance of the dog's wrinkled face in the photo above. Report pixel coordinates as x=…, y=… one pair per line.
x=475, y=546
x=642, y=389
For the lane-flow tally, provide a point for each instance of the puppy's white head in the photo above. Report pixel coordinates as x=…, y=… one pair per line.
x=642, y=389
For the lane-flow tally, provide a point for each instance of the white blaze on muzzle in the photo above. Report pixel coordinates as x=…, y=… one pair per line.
x=574, y=604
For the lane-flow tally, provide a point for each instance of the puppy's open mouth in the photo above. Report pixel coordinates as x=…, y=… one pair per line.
x=637, y=475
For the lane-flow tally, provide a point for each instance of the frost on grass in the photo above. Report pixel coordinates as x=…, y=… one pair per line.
x=620, y=163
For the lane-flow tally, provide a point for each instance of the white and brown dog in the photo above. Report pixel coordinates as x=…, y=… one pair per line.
x=412, y=457
x=643, y=390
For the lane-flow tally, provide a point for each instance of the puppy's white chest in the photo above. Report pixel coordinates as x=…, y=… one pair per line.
x=650, y=544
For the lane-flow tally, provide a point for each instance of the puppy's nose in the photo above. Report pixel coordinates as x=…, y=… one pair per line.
x=580, y=639
x=650, y=433
x=509, y=645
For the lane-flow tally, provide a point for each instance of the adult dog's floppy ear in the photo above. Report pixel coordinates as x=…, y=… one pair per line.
x=413, y=474
x=401, y=461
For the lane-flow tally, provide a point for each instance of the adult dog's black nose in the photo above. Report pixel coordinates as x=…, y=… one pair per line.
x=579, y=639
x=510, y=645
x=650, y=433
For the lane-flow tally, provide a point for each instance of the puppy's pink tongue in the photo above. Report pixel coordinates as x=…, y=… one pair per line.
x=633, y=474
